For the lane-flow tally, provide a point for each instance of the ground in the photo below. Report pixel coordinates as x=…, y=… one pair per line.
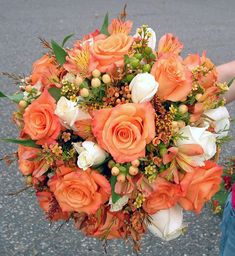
x=201, y=24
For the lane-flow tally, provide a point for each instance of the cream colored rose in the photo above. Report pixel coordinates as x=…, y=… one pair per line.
x=143, y=88
x=90, y=154
x=167, y=224
x=69, y=112
x=198, y=135
x=221, y=119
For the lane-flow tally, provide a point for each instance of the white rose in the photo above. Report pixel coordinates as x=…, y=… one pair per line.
x=198, y=135
x=115, y=207
x=143, y=88
x=167, y=224
x=69, y=113
x=220, y=117
x=89, y=154
x=152, y=39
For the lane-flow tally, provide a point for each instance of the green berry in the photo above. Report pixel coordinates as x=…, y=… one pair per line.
x=129, y=77
x=146, y=68
x=148, y=50
x=138, y=56
x=134, y=62
x=152, y=56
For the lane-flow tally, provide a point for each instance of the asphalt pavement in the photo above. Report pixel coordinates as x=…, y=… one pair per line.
x=201, y=24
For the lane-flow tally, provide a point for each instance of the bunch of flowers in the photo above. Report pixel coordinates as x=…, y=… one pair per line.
x=120, y=135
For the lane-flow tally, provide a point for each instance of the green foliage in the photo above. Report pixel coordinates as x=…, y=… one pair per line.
x=17, y=97
x=230, y=82
x=115, y=196
x=66, y=39
x=55, y=93
x=59, y=52
x=104, y=28
x=27, y=143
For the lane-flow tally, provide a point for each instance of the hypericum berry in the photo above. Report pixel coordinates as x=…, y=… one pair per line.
x=106, y=78
x=29, y=180
x=111, y=164
x=129, y=77
x=181, y=124
x=198, y=96
x=78, y=80
x=148, y=50
x=146, y=68
x=95, y=82
x=135, y=163
x=138, y=56
x=133, y=170
x=134, y=62
x=96, y=73
x=23, y=104
x=28, y=88
x=174, y=124
x=84, y=92
x=115, y=171
x=121, y=178
x=183, y=109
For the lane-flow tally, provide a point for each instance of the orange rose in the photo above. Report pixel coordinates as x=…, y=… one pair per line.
x=169, y=43
x=125, y=130
x=199, y=186
x=109, y=52
x=46, y=72
x=41, y=123
x=109, y=226
x=80, y=191
x=26, y=164
x=174, y=78
x=49, y=204
x=206, y=80
x=165, y=195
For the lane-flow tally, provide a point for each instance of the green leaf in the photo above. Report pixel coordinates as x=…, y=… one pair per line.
x=104, y=28
x=230, y=82
x=115, y=196
x=17, y=97
x=55, y=93
x=66, y=39
x=59, y=52
x=27, y=143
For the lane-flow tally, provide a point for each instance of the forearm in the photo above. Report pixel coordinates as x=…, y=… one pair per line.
x=226, y=72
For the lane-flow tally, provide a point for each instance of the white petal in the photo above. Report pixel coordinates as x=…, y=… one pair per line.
x=119, y=204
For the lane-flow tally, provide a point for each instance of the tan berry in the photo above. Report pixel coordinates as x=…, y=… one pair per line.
x=115, y=171
x=174, y=124
x=181, y=124
x=133, y=170
x=23, y=104
x=183, y=109
x=96, y=73
x=78, y=80
x=135, y=163
x=29, y=180
x=121, y=178
x=106, y=78
x=28, y=88
x=84, y=92
x=198, y=96
x=175, y=130
x=95, y=82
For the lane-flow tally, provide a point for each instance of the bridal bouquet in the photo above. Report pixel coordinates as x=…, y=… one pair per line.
x=119, y=133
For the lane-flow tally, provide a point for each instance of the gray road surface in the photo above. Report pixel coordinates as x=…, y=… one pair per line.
x=201, y=24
